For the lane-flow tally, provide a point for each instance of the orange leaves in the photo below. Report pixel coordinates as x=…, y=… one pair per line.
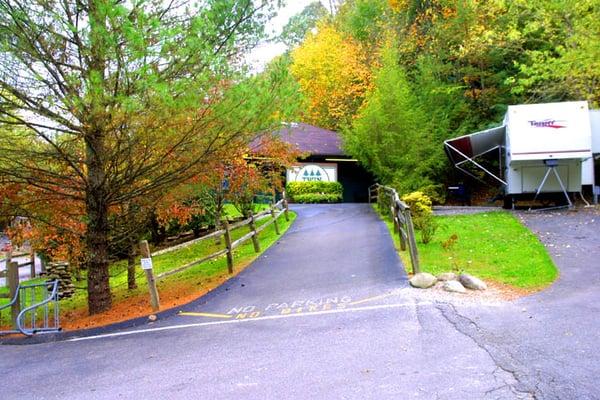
x=54, y=232
x=181, y=211
x=448, y=12
x=334, y=75
x=58, y=225
x=235, y=176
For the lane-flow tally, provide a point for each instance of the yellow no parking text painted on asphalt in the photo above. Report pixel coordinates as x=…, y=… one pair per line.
x=287, y=308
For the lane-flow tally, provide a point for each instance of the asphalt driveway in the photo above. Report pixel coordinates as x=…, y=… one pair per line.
x=326, y=313
x=549, y=341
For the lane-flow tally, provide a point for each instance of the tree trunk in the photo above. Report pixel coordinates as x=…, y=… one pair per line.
x=99, y=298
x=131, y=284
x=218, y=214
x=96, y=193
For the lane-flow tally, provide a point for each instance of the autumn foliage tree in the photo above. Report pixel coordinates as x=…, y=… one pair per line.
x=237, y=177
x=114, y=102
x=332, y=71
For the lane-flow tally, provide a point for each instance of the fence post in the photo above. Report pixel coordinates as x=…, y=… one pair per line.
x=42, y=262
x=147, y=267
x=274, y=219
x=412, y=244
x=218, y=224
x=228, y=245
x=255, y=241
x=394, y=218
x=400, y=226
x=12, y=278
x=32, y=273
x=6, y=263
x=286, y=208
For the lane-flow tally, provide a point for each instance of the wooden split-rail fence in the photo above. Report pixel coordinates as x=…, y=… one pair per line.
x=387, y=200
x=11, y=273
x=10, y=279
x=273, y=214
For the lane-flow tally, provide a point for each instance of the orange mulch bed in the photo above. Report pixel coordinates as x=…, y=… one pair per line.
x=174, y=295
x=135, y=306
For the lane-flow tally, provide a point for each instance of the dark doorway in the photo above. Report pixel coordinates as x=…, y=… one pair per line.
x=355, y=180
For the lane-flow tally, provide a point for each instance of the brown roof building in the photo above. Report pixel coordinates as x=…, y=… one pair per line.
x=324, y=159
x=312, y=140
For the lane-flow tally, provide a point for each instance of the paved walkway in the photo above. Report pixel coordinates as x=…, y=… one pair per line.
x=326, y=314
x=333, y=254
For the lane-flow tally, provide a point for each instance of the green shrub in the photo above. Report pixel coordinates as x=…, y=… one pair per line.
x=427, y=226
x=437, y=193
x=317, y=198
x=422, y=214
x=419, y=203
x=314, y=192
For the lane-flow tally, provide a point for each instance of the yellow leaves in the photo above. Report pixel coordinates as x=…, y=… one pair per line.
x=334, y=75
x=398, y=5
x=418, y=202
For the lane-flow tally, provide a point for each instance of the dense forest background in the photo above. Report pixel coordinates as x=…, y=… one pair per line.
x=397, y=77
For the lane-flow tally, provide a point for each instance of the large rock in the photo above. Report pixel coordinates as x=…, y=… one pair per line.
x=447, y=276
x=471, y=282
x=423, y=280
x=454, y=286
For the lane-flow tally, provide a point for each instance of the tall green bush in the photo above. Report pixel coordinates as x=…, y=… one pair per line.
x=391, y=135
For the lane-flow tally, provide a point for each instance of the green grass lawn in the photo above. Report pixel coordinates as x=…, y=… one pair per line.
x=194, y=276
x=494, y=246
x=3, y=291
x=232, y=212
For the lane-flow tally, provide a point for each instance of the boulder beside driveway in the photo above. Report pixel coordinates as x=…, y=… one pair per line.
x=422, y=280
x=447, y=276
x=471, y=282
x=454, y=286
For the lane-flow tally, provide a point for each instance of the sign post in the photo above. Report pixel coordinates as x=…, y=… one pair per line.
x=229, y=246
x=147, y=267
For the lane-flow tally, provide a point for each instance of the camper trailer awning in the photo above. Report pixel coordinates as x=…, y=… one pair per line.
x=475, y=144
x=467, y=148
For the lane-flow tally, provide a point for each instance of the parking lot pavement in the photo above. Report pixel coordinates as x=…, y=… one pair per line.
x=326, y=313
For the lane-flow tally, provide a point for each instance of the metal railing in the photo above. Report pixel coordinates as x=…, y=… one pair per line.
x=42, y=313
x=388, y=201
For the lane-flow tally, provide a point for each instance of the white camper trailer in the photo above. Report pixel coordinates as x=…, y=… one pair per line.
x=542, y=149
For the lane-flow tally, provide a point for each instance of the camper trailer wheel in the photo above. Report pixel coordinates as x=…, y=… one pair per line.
x=508, y=202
